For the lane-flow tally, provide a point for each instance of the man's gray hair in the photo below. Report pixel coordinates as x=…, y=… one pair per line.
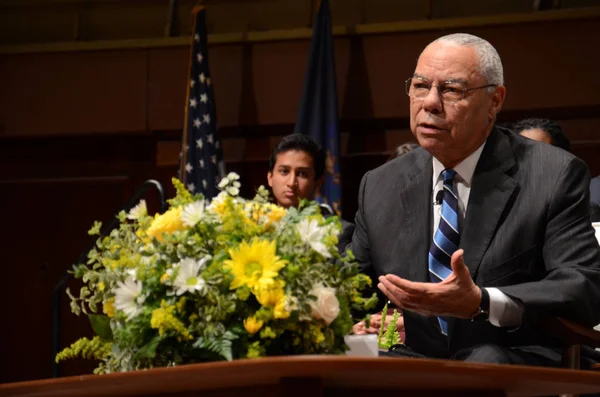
x=490, y=64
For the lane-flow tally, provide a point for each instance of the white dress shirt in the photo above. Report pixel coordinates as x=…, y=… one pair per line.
x=504, y=311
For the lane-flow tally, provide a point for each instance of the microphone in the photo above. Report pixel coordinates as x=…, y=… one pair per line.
x=439, y=197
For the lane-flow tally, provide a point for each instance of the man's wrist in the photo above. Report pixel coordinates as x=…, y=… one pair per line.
x=483, y=311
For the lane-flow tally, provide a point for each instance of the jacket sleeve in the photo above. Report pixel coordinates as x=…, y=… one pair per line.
x=571, y=255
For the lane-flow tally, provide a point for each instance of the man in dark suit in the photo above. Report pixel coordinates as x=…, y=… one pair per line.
x=507, y=242
x=296, y=170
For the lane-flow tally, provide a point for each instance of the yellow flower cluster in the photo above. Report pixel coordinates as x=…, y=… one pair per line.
x=164, y=320
x=263, y=213
x=94, y=349
x=254, y=264
x=252, y=325
x=256, y=267
x=167, y=223
x=108, y=307
x=273, y=295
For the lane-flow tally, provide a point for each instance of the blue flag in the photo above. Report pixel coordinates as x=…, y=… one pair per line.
x=318, y=111
x=201, y=165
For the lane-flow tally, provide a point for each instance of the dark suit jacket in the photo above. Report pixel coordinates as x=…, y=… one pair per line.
x=527, y=232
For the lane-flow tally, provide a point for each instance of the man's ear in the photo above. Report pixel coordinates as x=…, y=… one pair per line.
x=270, y=178
x=497, y=101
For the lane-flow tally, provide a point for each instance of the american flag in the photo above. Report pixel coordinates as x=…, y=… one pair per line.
x=201, y=165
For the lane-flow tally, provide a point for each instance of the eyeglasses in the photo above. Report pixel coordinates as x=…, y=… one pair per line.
x=449, y=91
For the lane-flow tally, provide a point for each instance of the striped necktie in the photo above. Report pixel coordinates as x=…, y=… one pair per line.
x=446, y=238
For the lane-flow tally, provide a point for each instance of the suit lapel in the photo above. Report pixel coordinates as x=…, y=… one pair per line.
x=490, y=194
x=417, y=217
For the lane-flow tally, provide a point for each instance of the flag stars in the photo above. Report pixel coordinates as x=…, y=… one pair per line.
x=204, y=98
x=193, y=102
x=201, y=163
x=191, y=187
x=197, y=122
x=199, y=57
x=213, y=158
x=210, y=138
x=217, y=145
x=206, y=118
x=192, y=83
x=204, y=183
x=199, y=143
x=189, y=168
x=202, y=78
x=197, y=38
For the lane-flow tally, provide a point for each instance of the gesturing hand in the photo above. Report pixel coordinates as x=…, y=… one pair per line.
x=456, y=296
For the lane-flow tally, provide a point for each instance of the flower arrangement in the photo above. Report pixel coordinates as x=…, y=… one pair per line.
x=216, y=280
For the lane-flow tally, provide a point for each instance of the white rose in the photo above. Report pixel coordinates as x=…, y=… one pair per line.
x=327, y=306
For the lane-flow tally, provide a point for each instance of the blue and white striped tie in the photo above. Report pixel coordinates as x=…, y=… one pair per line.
x=446, y=238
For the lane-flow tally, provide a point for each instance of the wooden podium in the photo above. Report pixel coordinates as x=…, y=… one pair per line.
x=309, y=376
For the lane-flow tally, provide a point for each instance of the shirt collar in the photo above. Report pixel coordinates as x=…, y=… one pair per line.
x=465, y=169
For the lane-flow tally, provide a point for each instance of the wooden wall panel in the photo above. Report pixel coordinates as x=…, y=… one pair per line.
x=49, y=220
x=52, y=191
x=58, y=93
x=267, y=78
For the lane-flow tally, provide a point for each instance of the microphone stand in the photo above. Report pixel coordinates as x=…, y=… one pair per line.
x=60, y=286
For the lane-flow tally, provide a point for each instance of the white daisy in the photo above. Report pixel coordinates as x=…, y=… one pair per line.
x=129, y=298
x=232, y=176
x=223, y=183
x=193, y=213
x=217, y=201
x=233, y=191
x=188, y=278
x=138, y=211
x=312, y=234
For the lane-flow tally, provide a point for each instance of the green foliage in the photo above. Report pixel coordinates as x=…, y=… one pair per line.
x=101, y=326
x=388, y=336
x=94, y=349
x=221, y=345
x=180, y=287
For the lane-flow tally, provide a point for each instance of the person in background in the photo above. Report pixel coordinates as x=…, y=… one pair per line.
x=543, y=130
x=403, y=149
x=296, y=170
x=476, y=273
x=547, y=131
x=595, y=193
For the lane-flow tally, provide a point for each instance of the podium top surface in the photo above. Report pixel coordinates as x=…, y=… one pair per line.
x=328, y=372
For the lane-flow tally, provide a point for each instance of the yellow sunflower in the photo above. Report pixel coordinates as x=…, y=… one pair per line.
x=254, y=264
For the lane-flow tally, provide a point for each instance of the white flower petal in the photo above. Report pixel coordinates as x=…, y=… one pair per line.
x=233, y=176
x=193, y=213
x=188, y=278
x=129, y=298
x=224, y=182
x=138, y=211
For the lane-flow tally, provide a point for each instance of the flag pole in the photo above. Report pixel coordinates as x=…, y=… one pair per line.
x=182, y=173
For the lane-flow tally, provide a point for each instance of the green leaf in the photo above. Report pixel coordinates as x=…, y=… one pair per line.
x=95, y=229
x=101, y=326
x=149, y=349
x=221, y=346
